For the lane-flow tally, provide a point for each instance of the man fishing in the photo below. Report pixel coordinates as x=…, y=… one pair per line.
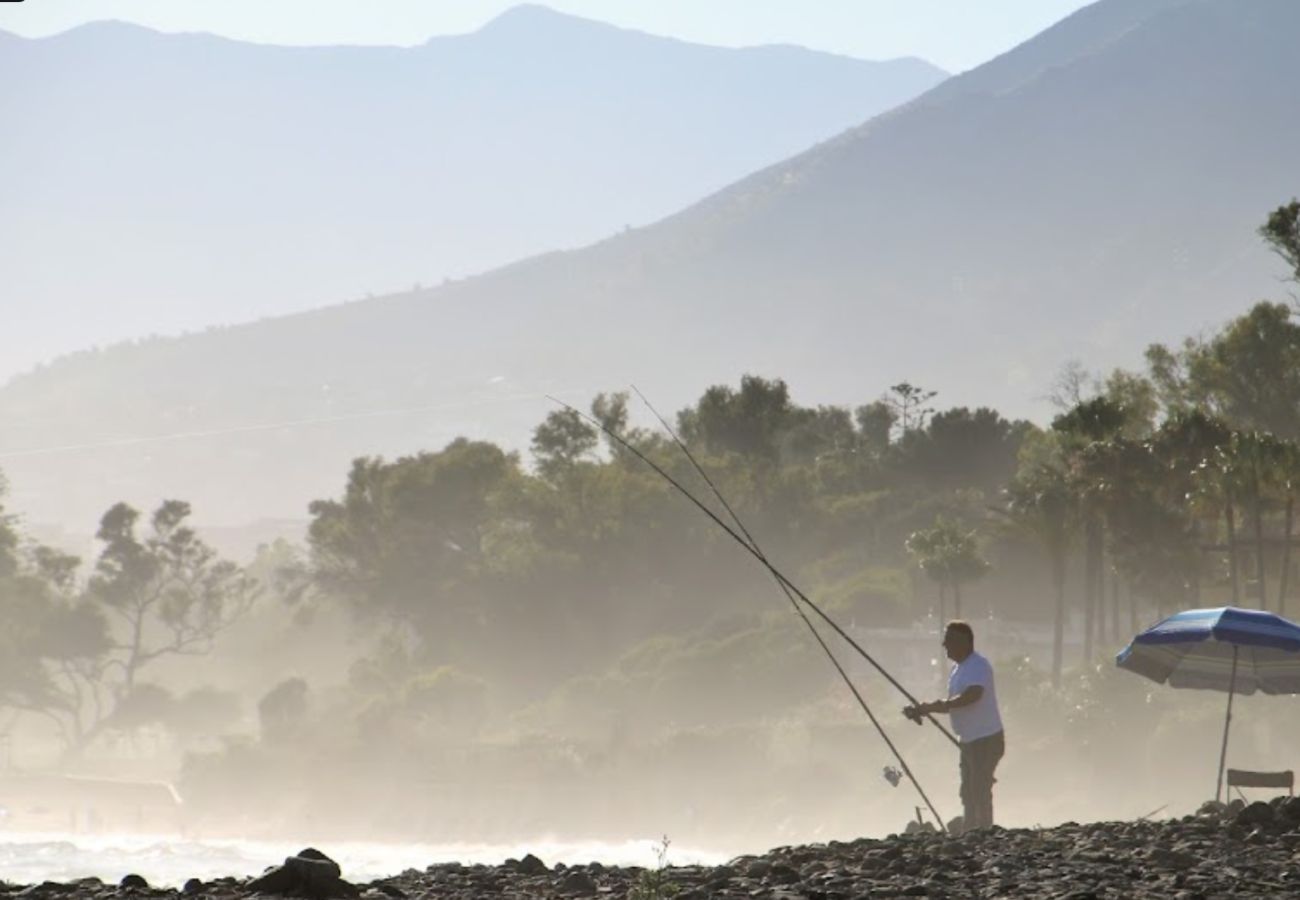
x=972, y=703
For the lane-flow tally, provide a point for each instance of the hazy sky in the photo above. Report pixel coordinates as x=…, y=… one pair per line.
x=954, y=34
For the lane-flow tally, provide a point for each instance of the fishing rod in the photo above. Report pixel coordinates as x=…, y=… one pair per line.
x=752, y=543
x=776, y=573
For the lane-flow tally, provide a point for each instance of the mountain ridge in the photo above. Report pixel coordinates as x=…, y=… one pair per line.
x=517, y=17
x=971, y=243
x=718, y=200
x=387, y=166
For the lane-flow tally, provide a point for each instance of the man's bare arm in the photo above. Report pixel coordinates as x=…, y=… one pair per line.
x=971, y=695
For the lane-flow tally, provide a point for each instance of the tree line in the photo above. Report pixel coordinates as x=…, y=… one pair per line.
x=1175, y=485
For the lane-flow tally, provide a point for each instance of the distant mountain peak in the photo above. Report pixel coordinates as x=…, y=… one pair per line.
x=107, y=27
x=531, y=17
x=530, y=11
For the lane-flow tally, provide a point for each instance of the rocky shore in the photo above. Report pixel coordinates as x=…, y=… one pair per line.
x=1239, y=851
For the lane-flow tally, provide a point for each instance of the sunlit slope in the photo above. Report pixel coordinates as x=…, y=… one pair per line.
x=970, y=241
x=154, y=183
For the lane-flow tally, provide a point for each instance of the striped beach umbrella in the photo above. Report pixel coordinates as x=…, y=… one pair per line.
x=1240, y=651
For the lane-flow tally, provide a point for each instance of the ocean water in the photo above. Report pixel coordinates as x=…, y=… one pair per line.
x=167, y=861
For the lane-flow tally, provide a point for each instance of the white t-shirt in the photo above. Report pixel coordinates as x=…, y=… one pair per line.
x=981, y=719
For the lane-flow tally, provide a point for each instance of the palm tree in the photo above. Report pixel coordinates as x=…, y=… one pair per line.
x=1102, y=474
x=1042, y=507
x=926, y=547
x=1153, y=534
x=1262, y=456
x=1230, y=475
x=1188, y=446
x=1088, y=423
x=950, y=556
x=1269, y=469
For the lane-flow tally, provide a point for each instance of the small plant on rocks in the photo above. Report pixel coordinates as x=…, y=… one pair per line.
x=653, y=884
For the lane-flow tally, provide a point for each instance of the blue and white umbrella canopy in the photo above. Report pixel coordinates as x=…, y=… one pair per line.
x=1238, y=651
x=1196, y=648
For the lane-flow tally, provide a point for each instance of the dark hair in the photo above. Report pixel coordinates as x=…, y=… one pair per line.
x=961, y=627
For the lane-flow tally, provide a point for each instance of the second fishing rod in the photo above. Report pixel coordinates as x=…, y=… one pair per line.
x=789, y=595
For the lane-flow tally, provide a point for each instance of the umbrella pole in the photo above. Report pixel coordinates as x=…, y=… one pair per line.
x=1223, y=753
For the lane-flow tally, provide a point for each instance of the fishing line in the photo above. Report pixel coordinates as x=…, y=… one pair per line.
x=752, y=545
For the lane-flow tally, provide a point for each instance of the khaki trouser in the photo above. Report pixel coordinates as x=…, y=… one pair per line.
x=978, y=760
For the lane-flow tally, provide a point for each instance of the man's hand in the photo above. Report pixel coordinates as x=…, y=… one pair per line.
x=918, y=711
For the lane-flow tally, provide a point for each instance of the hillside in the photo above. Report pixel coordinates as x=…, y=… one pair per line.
x=1078, y=198
x=239, y=180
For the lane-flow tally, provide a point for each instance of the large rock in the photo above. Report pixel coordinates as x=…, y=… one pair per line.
x=1257, y=814
x=309, y=874
x=531, y=865
x=578, y=884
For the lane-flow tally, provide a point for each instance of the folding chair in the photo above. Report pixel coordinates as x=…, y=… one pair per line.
x=1242, y=778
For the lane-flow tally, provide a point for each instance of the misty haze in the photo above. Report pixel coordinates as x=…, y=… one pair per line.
x=949, y=550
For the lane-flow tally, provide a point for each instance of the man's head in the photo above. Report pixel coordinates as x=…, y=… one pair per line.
x=958, y=640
